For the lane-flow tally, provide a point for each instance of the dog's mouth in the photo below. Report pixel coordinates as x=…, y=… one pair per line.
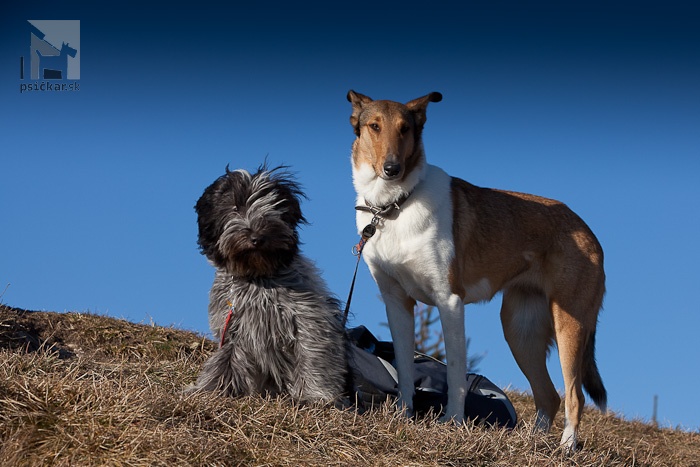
x=256, y=247
x=256, y=255
x=389, y=178
x=255, y=263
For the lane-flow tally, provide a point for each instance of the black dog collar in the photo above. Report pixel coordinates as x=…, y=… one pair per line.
x=384, y=211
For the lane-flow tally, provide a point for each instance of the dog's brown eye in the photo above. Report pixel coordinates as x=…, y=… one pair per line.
x=374, y=127
x=404, y=129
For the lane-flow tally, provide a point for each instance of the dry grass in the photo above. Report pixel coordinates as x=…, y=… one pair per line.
x=82, y=390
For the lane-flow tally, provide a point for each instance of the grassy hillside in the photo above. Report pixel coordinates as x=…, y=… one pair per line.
x=81, y=389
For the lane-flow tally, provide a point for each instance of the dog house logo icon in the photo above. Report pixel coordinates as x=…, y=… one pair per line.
x=54, y=51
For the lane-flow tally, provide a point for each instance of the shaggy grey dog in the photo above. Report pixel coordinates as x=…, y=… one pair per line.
x=280, y=327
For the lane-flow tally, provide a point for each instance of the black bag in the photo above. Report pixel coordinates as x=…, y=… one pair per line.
x=375, y=380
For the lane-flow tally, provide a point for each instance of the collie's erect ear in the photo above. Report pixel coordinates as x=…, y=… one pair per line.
x=420, y=105
x=357, y=100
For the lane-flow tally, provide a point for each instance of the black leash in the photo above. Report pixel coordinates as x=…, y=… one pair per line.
x=367, y=233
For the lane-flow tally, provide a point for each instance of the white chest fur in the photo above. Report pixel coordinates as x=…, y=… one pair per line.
x=416, y=247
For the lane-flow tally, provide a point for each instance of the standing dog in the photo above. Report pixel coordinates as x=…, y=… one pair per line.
x=280, y=328
x=445, y=242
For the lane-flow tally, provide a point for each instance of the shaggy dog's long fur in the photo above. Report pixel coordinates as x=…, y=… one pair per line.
x=285, y=334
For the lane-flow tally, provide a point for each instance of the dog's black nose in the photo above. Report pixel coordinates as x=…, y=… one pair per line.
x=257, y=239
x=392, y=169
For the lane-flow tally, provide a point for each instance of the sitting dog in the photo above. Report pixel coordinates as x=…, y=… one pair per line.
x=279, y=326
x=445, y=242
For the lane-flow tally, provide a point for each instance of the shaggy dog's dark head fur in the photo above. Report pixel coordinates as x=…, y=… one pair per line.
x=248, y=222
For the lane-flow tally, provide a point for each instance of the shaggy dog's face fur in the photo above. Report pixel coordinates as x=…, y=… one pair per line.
x=248, y=222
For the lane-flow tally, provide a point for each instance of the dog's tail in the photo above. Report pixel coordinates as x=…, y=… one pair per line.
x=592, y=382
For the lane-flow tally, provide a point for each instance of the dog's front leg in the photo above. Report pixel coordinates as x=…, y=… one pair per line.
x=399, y=313
x=452, y=320
x=401, y=324
x=228, y=371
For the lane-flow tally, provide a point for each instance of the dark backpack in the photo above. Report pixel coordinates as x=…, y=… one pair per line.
x=375, y=381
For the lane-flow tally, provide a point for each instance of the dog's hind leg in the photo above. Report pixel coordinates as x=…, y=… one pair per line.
x=571, y=340
x=575, y=306
x=528, y=329
x=320, y=372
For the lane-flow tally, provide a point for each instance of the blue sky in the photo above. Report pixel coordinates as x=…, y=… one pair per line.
x=595, y=104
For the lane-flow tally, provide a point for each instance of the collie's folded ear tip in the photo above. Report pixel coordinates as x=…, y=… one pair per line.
x=356, y=98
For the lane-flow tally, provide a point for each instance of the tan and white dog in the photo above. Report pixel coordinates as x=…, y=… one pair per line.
x=445, y=242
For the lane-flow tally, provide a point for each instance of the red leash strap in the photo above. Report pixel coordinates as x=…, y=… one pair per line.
x=367, y=233
x=226, y=324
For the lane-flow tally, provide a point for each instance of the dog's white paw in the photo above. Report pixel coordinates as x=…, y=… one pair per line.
x=569, y=439
x=454, y=412
x=452, y=419
x=542, y=423
x=404, y=408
